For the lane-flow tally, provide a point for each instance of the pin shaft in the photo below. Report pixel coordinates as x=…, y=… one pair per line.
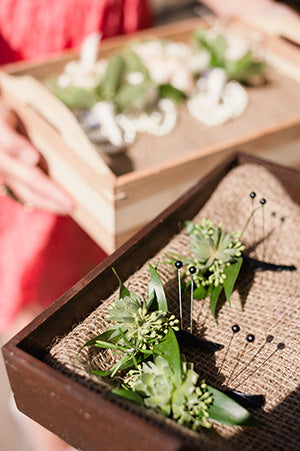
x=256, y=369
x=192, y=305
x=180, y=299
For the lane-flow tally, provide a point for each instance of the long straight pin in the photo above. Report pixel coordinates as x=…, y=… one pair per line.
x=250, y=339
x=178, y=265
x=252, y=196
x=279, y=347
x=263, y=202
x=269, y=339
x=235, y=329
x=192, y=270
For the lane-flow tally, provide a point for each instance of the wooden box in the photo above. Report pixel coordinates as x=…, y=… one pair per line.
x=86, y=419
x=116, y=197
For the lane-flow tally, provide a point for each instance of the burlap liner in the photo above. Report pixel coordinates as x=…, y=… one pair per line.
x=190, y=135
x=263, y=303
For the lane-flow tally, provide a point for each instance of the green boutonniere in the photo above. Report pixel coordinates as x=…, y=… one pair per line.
x=154, y=372
x=217, y=257
x=240, y=63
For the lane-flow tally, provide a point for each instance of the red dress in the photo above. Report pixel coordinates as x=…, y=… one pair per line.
x=42, y=255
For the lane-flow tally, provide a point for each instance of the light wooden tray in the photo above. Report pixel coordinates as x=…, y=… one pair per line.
x=114, y=202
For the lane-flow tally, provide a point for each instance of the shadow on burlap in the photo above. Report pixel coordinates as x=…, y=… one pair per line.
x=263, y=303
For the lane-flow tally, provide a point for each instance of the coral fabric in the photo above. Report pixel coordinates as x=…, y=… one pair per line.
x=33, y=28
x=42, y=255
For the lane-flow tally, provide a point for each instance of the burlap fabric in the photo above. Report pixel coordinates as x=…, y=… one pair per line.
x=263, y=303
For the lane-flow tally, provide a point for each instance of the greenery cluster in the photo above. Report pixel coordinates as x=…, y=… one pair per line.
x=153, y=371
x=181, y=398
x=247, y=69
x=217, y=257
x=114, y=86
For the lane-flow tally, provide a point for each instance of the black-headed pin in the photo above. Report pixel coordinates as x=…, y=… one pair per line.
x=178, y=265
x=192, y=271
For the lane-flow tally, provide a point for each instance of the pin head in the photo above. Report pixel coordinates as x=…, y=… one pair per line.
x=263, y=201
x=252, y=195
x=235, y=328
x=250, y=338
x=178, y=264
x=269, y=338
x=280, y=346
x=192, y=269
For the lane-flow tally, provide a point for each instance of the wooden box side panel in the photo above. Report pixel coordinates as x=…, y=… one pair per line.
x=146, y=197
x=73, y=412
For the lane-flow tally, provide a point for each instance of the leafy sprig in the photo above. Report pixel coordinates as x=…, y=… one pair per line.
x=136, y=325
x=113, y=86
x=217, y=257
x=159, y=376
x=156, y=383
x=168, y=384
x=245, y=69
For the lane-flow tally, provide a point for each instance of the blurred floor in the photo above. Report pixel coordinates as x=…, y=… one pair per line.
x=11, y=437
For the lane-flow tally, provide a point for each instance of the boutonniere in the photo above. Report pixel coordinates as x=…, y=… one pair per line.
x=232, y=53
x=216, y=256
x=153, y=371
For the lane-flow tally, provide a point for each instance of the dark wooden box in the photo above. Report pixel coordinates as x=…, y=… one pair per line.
x=88, y=420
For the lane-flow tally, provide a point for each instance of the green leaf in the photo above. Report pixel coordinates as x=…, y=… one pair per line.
x=76, y=97
x=219, y=48
x=152, y=302
x=235, y=68
x=105, y=336
x=123, y=291
x=227, y=411
x=106, y=345
x=168, y=348
x=113, y=77
x=156, y=286
x=118, y=366
x=245, y=68
x=128, y=394
x=200, y=36
x=134, y=64
x=170, y=92
x=190, y=226
x=112, y=371
x=216, y=47
x=231, y=273
x=200, y=293
x=133, y=96
x=101, y=373
x=214, y=296
x=142, y=356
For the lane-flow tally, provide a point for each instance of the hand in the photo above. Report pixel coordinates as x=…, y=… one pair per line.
x=267, y=15
x=246, y=8
x=20, y=170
